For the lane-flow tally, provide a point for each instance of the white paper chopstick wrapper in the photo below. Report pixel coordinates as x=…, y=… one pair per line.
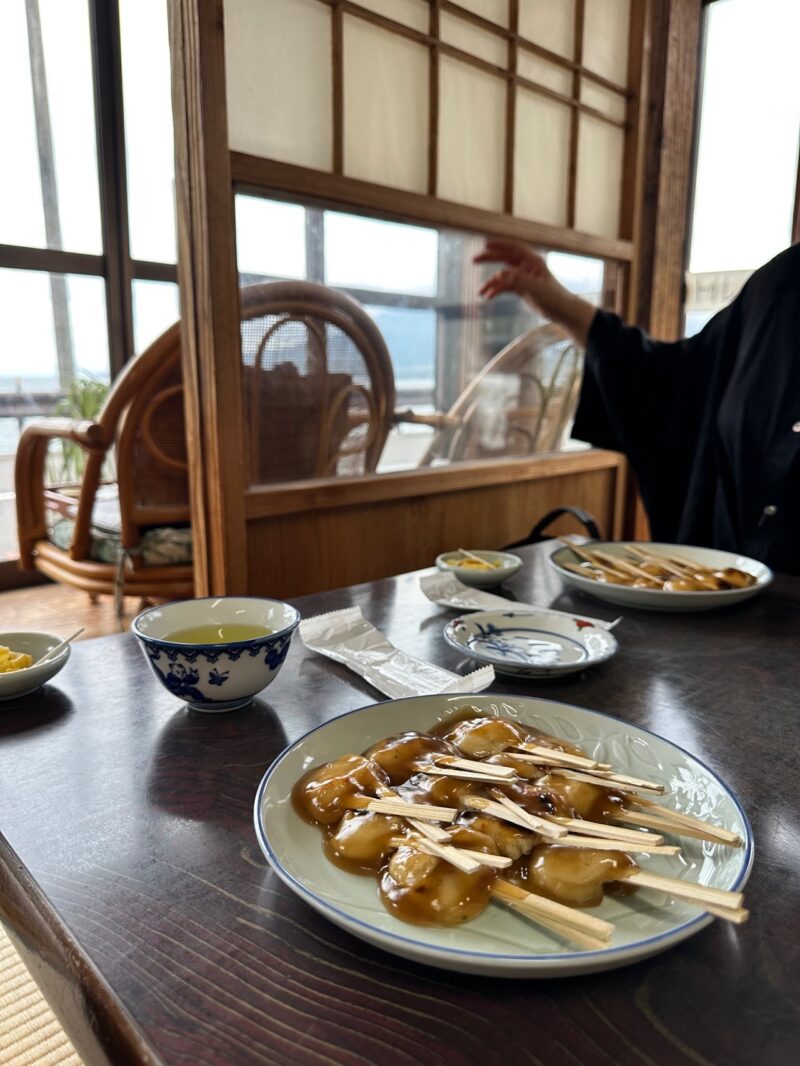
x=448, y=591
x=347, y=637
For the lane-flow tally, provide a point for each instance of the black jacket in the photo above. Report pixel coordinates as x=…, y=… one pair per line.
x=710, y=424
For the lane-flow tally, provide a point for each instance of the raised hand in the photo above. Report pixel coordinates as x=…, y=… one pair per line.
x=527, y=274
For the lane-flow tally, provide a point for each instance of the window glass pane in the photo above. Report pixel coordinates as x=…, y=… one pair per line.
x=270, y=238
x=58, y=105
x=155, y=309
x=365, y=253
x=148, y=129
x=53, y=337
x=579, y=274
x=748, y=145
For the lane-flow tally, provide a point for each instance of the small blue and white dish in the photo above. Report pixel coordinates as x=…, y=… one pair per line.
x=530, y=644
x=220, y=676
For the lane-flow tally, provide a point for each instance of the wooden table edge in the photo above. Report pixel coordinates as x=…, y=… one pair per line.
x=101, y=1030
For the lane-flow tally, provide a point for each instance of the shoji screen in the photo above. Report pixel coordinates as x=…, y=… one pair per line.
x=519, y=107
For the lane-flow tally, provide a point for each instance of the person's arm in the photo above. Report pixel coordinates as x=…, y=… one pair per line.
x=528, y=275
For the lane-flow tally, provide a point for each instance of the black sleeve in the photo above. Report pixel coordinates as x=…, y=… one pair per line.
x=633, y=387
x=654, y=401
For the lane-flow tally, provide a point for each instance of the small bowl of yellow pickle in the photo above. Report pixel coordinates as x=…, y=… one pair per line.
x=217, y=653
x=19, y=654
x=480, y=568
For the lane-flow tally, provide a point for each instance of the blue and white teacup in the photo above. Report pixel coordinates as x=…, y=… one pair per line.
x=216, y=676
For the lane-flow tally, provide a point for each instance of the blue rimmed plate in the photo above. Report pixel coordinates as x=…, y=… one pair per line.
x=530, y=643
x=499, y=942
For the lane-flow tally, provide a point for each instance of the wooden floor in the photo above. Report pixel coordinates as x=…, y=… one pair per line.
x=61, y=610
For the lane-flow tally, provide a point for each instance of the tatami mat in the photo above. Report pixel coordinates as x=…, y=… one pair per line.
x=30, y=1035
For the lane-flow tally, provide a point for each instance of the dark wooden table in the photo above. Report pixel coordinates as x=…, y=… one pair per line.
x=161, y=934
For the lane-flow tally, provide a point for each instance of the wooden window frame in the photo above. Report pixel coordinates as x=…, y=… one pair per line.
x=641, y=275
x=261, y=173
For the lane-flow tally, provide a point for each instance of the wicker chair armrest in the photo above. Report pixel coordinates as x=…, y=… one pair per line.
x=437, y=419
x=29, y=481
x=86, y=433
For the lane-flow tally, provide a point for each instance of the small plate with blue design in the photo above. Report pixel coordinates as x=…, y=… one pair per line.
x=530, y=643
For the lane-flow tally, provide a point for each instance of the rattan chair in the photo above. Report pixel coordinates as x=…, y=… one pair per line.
x=318, y=392
x=521, y=402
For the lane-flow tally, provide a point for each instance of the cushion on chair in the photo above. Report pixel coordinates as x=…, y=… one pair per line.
x=164, y=546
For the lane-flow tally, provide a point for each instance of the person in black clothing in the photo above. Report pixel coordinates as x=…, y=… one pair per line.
x=710, y=424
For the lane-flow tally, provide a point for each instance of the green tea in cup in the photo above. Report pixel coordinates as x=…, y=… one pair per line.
x=217, y=633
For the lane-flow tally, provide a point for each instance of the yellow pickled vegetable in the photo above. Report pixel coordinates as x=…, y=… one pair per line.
x=13, y=660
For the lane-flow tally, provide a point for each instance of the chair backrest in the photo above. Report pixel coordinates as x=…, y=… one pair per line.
x=318, y=390
x=318, y=383
x=520, y=403
x=143, y=417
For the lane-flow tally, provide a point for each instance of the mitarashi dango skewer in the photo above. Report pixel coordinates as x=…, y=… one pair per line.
x=546, y=827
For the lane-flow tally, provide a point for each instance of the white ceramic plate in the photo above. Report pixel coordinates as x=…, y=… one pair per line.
x=529, y=643
x=500, y=942
x=656, y=599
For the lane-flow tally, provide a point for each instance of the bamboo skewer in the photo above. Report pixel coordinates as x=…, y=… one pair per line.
x=656, y=560
x=687, y=819
x=563, y=758
x=465, y=775
x=737, y=915
x=429, y=830
x=426, y=811
x=455, y=856
x=572, y=840
x=626, y=779
x=673, y=822
x=628, y=568
x=516, y=815
x=612, y=832
x=568, y=932
x=498, y=862
x=576, y=569
x=721, y=898
x=477, y=767
x=606, y=782
x=534, y=821
x=559, y=912
x=476, y=558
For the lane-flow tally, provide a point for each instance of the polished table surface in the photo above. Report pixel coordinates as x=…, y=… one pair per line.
x=161, y=934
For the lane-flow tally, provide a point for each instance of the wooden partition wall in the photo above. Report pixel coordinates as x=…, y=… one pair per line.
x=605, y=109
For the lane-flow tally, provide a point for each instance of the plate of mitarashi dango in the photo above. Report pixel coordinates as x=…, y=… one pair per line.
x=663, y=577
x=502, y=835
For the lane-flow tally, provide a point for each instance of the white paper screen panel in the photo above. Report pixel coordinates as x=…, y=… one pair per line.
x=278, y=71
x=385, y=107
x=552, y=76
x=599, y=178
x=413, y=13
x=493, y=10
x=541, y=161
x=472, y=106
x=606, y=26
x=469, y=38
x=550, y=23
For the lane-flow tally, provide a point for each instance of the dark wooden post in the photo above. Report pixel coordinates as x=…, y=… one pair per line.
x=209, y=297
